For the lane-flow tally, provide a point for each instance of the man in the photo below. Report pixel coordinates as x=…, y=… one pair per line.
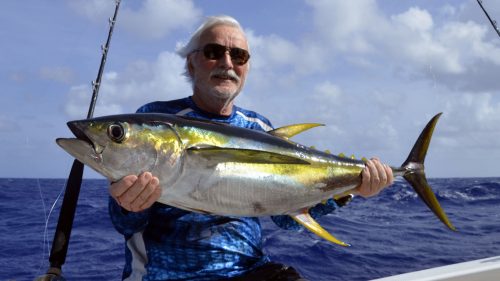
x=166, y=243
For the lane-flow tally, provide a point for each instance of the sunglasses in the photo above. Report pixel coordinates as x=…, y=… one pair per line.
x=213, y=51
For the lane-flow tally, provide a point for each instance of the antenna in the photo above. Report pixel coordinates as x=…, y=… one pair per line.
x=492, y=21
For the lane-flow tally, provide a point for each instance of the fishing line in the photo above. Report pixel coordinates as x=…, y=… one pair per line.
x=46, y=241
x=74, y=182
x=45, y=238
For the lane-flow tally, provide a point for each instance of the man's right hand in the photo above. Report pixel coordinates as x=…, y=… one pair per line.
x=136, y=193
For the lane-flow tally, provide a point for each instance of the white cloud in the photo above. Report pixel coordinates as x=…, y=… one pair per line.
x=78, y=97
x=272, y=62
x=270, y=51
x=156, y=18
x=410, y=40
x=345, y=25
x=328, y=91
x=151, y=19
x=470, y=130
x=415, y=19
x=58, y=73
x=475, y=112
x=139, y=83
x=95, y=10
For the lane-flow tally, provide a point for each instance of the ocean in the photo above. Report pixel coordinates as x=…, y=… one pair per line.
x=390, y=234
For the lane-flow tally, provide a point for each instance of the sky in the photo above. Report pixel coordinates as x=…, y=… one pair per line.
x=374, y=72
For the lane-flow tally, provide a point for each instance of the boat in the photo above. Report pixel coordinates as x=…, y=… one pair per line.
x=487, y=269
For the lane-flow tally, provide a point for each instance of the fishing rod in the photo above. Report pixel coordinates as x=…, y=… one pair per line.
x=492, y=21
x=67, y=213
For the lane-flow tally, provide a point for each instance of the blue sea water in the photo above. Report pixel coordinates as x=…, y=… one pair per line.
x=390, y=234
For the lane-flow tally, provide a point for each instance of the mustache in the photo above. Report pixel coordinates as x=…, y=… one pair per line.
x=225, y=72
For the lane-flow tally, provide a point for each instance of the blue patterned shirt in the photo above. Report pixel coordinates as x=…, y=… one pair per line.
x=167, y=243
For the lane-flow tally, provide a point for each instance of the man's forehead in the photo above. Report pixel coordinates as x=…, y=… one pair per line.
x=224, y=34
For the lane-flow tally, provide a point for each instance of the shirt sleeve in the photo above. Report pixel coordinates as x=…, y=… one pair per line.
x=125, y=222
x=286, y=222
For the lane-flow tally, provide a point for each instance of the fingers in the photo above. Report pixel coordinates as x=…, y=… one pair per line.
x=136, y=193
x=151, y=199
x=375, y=177
x=390, y=176
x=148, y=196
x=116, y=189
x=126, y=198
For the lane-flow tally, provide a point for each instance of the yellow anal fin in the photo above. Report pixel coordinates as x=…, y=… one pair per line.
x=289, y=131
x=308, y=222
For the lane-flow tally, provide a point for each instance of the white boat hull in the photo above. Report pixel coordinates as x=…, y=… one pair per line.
x=487, y=269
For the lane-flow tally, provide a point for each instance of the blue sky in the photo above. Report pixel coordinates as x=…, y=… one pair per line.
x=373, y=71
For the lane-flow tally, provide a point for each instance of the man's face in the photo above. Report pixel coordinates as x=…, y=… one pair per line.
x=218, y=80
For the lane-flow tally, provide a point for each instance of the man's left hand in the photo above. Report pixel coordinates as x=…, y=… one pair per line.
x=375, y=177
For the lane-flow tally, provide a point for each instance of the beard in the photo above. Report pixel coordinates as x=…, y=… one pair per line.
x=225, y=92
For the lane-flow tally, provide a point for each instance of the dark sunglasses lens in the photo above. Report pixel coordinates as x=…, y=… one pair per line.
x=239, y=56
x=216, y=51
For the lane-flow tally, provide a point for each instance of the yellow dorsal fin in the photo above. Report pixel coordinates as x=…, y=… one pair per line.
x=289, y=131
x=308, y=222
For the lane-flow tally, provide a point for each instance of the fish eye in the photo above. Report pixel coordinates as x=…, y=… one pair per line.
x=117, y=132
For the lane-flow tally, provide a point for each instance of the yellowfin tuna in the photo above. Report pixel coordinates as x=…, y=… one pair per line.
x=215, y=168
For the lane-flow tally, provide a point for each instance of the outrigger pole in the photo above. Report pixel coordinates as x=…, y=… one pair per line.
x=493, y=22
x=67, y=213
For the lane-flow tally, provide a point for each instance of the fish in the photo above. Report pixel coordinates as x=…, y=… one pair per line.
x=215, y=168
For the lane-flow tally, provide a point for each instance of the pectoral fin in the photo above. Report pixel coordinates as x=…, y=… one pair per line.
x=221, y=154
x=308, y=222
x=287, y=132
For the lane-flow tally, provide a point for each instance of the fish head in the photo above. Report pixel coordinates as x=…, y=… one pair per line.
x=121, y=145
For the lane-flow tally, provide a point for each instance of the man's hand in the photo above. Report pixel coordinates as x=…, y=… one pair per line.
x=375, y=177
x=136, y=193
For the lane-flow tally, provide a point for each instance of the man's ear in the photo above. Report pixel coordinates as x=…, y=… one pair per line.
x=190, y=66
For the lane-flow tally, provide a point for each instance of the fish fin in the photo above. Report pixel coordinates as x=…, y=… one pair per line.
x=221, y=154
x=289, y=131
x=415, y=174
x=304, y=218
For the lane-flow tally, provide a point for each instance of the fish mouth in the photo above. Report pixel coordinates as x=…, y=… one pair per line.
x=77, y=130
x=81, y=147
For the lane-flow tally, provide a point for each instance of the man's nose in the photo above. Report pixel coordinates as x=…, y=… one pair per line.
x=226, y=61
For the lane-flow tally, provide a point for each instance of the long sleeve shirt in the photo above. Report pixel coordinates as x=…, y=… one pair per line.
x=167, y=243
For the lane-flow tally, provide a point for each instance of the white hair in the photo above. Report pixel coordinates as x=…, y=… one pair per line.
x=194, y=41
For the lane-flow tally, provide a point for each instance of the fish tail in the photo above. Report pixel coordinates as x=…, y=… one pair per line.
x=413, y=171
